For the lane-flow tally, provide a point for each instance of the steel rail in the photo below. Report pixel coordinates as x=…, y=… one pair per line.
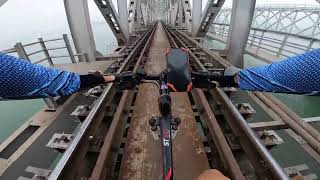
x=220, y=141
x=192, y=55
x=292, y=119
x=275, y=168
x=58, y=170
x=223, y=62
x=312, y=131
x=99, y=171
x=295, y=126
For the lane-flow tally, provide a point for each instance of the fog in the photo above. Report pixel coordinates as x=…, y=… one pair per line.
x=26, y=20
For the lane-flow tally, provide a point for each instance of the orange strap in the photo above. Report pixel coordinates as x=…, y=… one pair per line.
x=171, y=86
x=184, y=49
x=189, y=88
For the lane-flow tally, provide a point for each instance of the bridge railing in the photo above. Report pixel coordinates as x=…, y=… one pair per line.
x=297, y=19
x=39, y=51
x=275, y=43
x=111, y=47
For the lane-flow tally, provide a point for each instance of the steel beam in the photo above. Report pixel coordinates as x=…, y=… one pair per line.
x=180, y=13
x=196, y=16
x=139, y=13
x=241, y=20
x=187, y=19
x=174, y=13
x=132, y=13
x=92, y=120
x=123, y=17
x=2, y=2
x=80, y=27
x=112, y=18
x=144, y=12
x=209, y=14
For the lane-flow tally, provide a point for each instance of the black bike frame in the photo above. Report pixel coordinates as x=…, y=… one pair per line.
x=165, y=123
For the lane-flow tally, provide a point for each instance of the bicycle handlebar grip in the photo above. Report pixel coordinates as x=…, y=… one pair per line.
x=225, y=78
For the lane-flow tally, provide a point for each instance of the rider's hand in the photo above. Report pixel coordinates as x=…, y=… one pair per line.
x=226, y=78
x=107, y=78
x=124, y=77
x=231, y=76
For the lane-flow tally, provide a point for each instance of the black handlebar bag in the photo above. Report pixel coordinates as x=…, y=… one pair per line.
x=178, y=70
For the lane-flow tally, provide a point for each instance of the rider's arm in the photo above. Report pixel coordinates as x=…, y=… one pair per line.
x=21, y=79
x=297, y=75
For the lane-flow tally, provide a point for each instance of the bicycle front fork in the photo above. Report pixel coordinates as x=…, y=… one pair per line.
x=168, y=126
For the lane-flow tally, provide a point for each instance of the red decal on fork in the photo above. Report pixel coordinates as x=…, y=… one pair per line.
x=166, y=134
x=168, y=177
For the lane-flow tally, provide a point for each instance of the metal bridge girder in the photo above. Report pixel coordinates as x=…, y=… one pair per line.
x=132, y=13
x=180, y=11
x=110, y=15
x=2, y=2
x=196, y=16
x=144, y=13
x=137, y=16
x=209, y=14
x=302, y=21
x=80, y=27
x=241, y=20
x=187, y=16
x=174, y=13
x=123, y=18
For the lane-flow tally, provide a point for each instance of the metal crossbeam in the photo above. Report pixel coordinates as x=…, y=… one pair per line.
x=2, y=2
x=111, y=16
x=209, y=14
x=186, y=13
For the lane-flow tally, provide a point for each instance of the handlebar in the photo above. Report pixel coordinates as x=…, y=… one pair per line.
x=129, y=80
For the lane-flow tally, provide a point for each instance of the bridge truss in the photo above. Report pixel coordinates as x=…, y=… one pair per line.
x=299, y=21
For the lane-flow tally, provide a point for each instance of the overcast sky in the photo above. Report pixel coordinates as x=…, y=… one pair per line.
x=41, y=17
x=42, y=10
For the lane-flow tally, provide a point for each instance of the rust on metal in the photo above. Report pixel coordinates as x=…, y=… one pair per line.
x=311, y=130
x=292, y=124
x=103, y=167
x=105, y=164
x=217, y=134
x=261, y=159
x=189, y=156
x=142, y=155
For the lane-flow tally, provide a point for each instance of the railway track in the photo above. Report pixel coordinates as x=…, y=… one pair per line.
x=75, y=162
x=258, y=155
x=211, y=124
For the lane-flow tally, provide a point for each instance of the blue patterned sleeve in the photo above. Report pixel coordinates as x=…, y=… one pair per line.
x=296, y=75
x=21, y=79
